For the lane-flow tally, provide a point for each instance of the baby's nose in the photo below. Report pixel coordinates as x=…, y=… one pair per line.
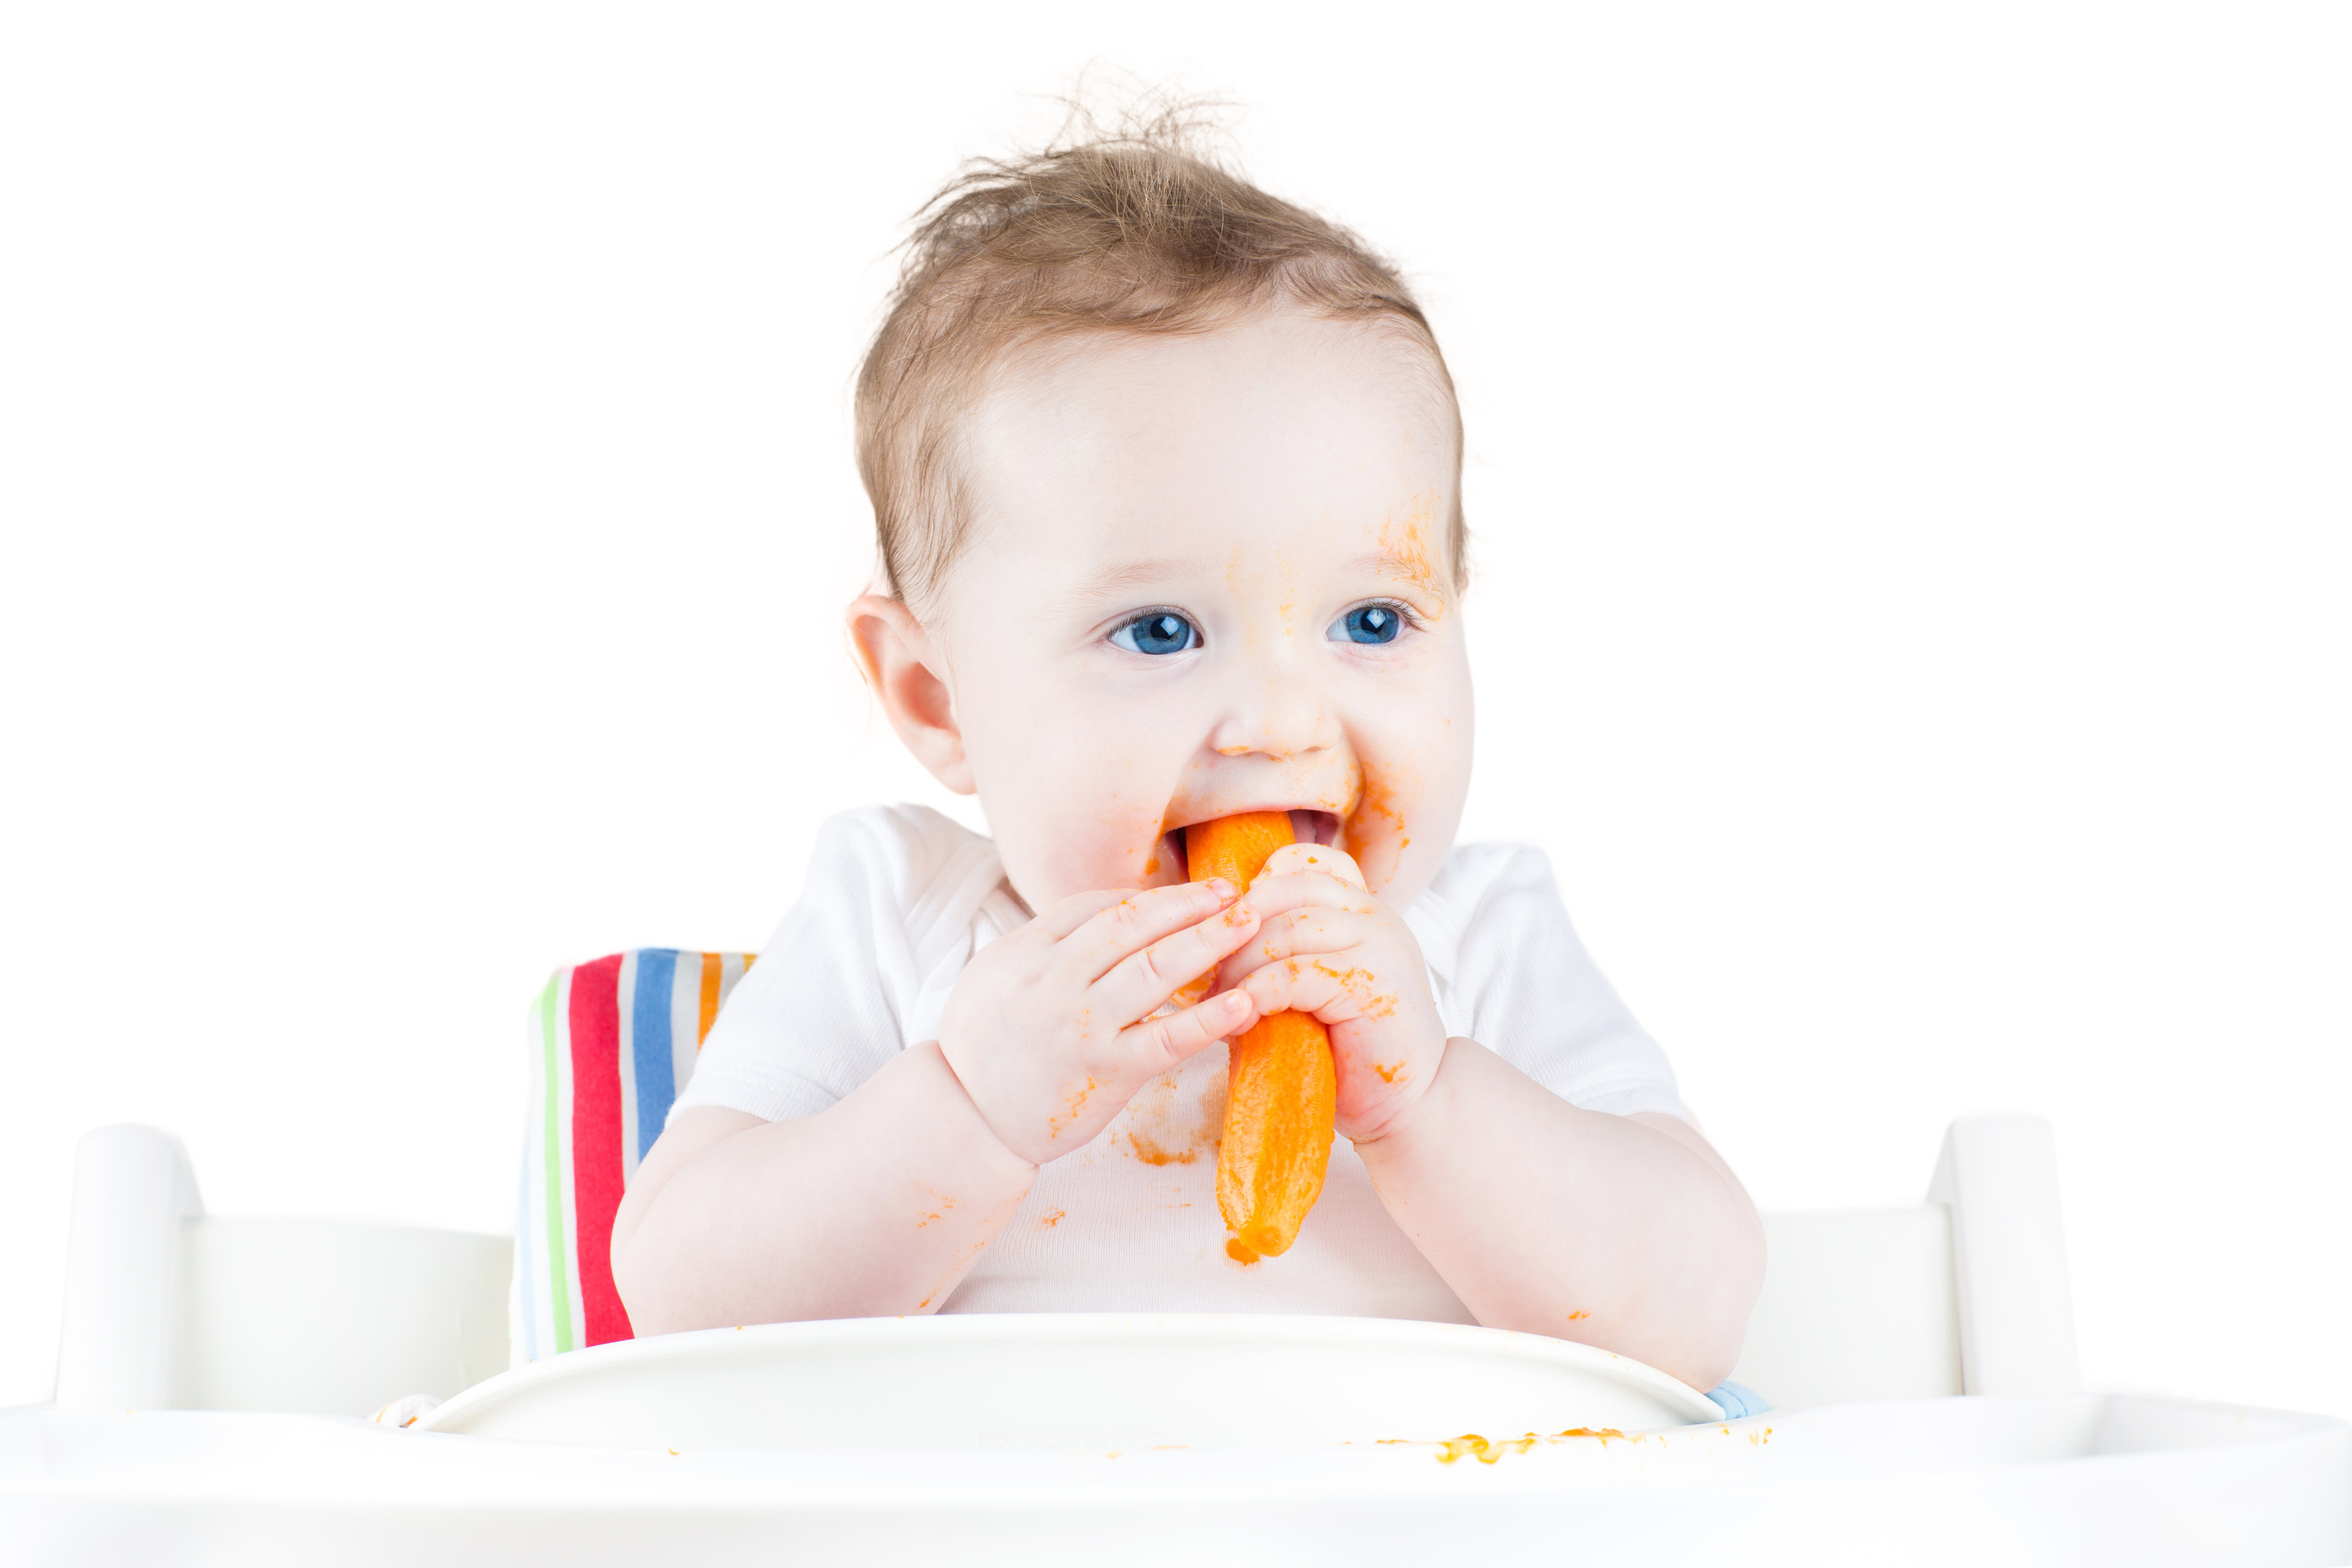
x=1280, y=716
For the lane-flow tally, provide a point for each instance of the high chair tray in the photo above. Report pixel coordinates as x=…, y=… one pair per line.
x=919, y=1478
x=1072, y=1381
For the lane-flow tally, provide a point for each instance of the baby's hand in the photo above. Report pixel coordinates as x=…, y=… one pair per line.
x=1331, y=948
x=1042, y=1027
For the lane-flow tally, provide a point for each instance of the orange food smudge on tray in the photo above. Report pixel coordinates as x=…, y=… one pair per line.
x=1479, y=1448
x=1281, y=1093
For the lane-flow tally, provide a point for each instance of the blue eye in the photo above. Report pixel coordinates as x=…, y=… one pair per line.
x=1162, y=632
x=1368, y=623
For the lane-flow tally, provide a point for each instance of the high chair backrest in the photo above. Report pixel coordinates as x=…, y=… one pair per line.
x=610, y=1043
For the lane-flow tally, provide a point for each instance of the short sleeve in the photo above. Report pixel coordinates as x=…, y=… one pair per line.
x=1512, y=975
x=889, y=900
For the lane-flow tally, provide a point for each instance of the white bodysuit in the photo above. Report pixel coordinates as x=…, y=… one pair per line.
x=900, y=898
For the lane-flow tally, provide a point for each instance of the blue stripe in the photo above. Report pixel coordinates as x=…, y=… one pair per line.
x=649, y=1038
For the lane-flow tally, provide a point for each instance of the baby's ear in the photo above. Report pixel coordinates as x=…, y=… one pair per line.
x=1293, y=858
x=905, y=672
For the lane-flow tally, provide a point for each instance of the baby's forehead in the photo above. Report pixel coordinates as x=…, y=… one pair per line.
x=1256, y=424
x=1378, y=367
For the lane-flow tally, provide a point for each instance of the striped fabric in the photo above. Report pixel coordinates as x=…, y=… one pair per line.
x=611, y=1043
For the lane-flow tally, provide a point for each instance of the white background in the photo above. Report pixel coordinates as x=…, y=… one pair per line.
x=1911, y=464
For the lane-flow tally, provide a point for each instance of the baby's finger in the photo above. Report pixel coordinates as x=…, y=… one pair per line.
x=1058, y=919
x=1141, y=981
x=1278, y=894
x=1334, y=992
x=1293, y=858
x=1152, y=1047
x=1301, y=932
x=1137, y=921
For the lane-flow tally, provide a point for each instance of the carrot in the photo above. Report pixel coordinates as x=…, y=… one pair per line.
x=1280, y=1090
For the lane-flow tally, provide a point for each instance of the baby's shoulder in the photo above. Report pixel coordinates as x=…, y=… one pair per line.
x=916, y=837
x=908, y=858
x=1484, y=892
x=1472, y=874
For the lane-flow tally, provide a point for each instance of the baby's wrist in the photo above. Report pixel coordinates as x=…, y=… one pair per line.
x=969, y=1122
x=1407, y=1111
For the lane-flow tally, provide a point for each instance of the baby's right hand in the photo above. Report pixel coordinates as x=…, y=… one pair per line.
x=1043, y=1027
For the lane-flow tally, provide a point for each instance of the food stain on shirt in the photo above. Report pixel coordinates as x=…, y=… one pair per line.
x=1161, y=1130
x=1047, y=1222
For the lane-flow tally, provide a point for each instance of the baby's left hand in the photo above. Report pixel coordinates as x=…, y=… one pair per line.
x=1328, y=946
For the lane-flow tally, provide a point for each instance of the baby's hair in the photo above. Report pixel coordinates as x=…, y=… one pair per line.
x=1132, y=232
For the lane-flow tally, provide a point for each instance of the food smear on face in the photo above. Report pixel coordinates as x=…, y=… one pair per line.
x=1374, y=830
x=1406, y=545
x=1281, y=1091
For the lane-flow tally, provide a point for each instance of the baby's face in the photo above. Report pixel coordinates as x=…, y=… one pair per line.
x=1207, y=575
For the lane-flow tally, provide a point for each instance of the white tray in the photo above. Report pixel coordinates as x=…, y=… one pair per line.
x=1069, y=1381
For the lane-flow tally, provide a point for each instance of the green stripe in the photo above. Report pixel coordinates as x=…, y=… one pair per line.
x=559, y=1276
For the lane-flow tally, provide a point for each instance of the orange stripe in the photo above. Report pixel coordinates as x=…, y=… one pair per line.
x=710, y=964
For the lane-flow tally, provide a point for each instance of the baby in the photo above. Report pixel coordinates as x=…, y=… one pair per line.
x=1167, y=478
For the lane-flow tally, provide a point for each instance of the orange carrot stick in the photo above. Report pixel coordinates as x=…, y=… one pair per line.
x=1280, y=1089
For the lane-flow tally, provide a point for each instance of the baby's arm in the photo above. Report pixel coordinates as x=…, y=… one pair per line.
x=873, y=1207
x=1626, y=1232
x=879, y=1205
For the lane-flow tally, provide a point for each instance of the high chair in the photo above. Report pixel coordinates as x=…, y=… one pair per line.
x=213, y=1375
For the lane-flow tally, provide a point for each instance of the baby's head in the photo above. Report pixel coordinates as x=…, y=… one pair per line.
x=1166, y=475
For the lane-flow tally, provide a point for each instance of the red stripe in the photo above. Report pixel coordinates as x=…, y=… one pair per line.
x=596, y=1144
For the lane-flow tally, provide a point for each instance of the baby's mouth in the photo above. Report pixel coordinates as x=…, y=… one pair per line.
x=1307, y=825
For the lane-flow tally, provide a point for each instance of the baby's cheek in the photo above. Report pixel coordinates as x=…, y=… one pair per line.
x=1069, y=849
x=1380, y=829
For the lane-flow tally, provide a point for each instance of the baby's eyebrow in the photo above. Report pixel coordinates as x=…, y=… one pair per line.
x=1106, y=582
